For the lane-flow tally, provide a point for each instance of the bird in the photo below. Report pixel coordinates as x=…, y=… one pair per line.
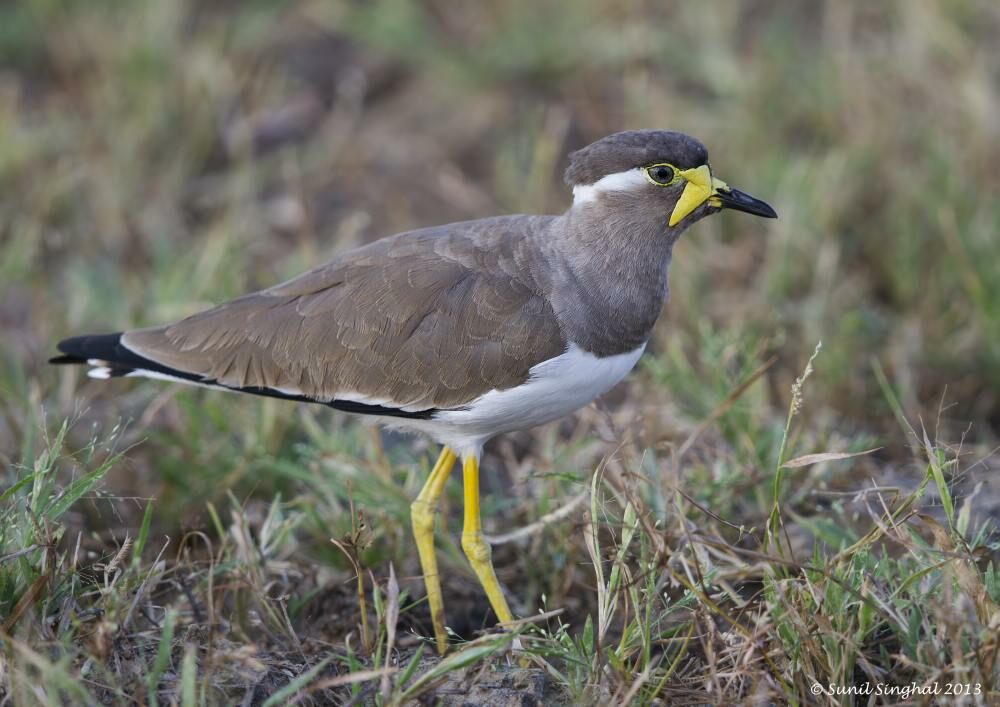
x=460, y=332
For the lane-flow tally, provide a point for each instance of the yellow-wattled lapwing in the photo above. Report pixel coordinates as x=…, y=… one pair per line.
x=463, y=331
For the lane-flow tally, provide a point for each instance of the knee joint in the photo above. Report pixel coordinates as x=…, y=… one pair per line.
x=475, y=547
x=422, y=515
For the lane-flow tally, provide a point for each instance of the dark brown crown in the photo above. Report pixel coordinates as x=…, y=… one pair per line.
x=630, y=149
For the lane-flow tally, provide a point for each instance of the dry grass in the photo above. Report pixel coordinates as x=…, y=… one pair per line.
x=723, y=528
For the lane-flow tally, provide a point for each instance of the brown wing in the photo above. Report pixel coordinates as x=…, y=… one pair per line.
x=428, y=319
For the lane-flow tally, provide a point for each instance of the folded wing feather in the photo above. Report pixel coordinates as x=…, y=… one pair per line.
x=428, y=319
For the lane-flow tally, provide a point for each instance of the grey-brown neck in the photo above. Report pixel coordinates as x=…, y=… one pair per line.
x=606, y=273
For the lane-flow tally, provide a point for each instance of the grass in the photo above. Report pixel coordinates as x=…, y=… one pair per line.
x=718, y=529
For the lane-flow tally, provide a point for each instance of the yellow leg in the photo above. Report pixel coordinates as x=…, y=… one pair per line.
x=422, y=512
x=475, y=546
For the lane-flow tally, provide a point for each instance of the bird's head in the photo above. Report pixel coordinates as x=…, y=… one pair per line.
x=657, y=171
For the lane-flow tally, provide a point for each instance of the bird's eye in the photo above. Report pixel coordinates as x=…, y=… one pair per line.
x=661, y=174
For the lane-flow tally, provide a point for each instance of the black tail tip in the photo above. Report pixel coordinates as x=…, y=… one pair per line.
x=80, y=349
x=66, y=360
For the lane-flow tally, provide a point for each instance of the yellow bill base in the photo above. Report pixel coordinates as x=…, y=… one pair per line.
x=701, y=186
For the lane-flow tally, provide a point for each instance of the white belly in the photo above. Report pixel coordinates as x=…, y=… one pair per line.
x=554, y=389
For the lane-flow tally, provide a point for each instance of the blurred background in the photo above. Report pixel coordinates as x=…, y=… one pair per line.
x=159, y=157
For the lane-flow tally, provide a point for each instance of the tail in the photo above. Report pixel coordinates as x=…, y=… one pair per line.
x=108, y=358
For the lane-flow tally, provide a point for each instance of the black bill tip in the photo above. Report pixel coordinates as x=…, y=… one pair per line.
x=740, y=201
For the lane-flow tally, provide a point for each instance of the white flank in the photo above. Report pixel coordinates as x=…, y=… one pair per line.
x=554, y=389
x=619, y=181
x=155, y=375
x=347, y=396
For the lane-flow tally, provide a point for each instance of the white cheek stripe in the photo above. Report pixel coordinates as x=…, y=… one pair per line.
x=619, y=181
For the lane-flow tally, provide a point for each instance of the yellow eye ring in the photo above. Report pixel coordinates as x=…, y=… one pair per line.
x=662, y=175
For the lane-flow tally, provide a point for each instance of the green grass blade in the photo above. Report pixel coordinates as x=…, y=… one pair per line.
x=162, y=656
x=17, y=486
x=140, y=541
x=189, y=673
x=76, y=490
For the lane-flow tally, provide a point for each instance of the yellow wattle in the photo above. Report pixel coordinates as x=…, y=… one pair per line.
x=699, y=187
